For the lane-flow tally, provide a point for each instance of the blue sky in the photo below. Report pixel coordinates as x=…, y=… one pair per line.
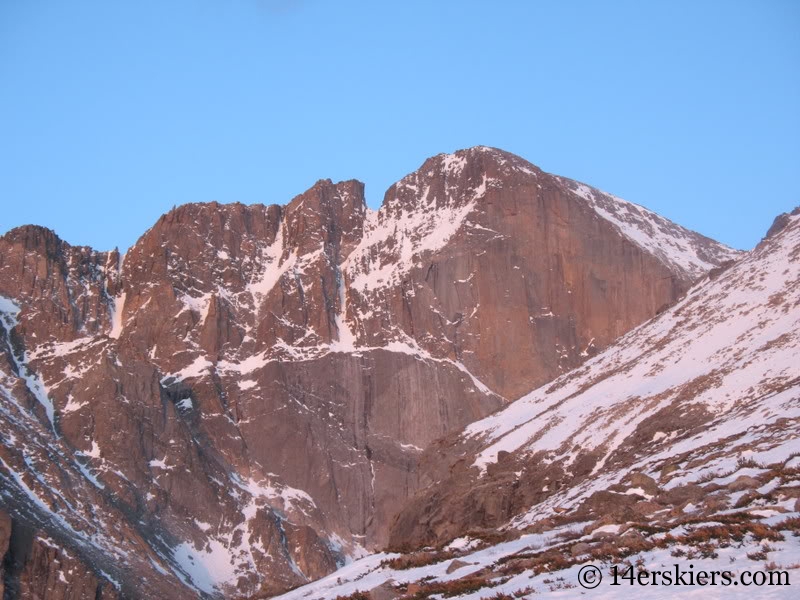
x=113, y=112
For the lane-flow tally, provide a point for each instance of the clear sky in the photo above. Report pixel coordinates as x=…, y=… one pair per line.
x=111, y=112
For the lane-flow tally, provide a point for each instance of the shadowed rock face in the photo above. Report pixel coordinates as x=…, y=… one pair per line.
x=239, y=403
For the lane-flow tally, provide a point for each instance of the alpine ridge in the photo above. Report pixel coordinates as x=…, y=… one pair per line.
x=238, y=404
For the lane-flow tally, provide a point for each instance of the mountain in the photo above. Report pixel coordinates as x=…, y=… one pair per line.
x=680, y=443
x=238, y=404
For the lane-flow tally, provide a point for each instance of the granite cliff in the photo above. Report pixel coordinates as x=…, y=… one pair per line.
x=238, y=404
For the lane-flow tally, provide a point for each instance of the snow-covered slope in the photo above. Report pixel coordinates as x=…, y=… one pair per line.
x=565, y=562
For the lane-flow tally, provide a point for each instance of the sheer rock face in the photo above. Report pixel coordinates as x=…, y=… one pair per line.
x=526, y=277
x=239, y=403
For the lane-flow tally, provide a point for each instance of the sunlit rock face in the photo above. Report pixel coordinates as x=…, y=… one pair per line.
x=238, y=404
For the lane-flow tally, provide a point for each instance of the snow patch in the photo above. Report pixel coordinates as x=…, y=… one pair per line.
x=117, y=306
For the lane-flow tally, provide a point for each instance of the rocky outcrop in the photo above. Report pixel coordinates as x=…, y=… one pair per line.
x=239, y=403
x=780, y=222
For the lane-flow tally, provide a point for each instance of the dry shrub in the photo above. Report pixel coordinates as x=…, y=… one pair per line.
x=491, y=537
x=759, y=531
x=759, y=555
x=357, y=595
x=569, y=535
x=524, y=592
x=726, y=534
x=543, y=562
x=417, y=559
x=791, y=524
x=647, y=528
x=743, y=463
x=455, y=587
x=707, y=550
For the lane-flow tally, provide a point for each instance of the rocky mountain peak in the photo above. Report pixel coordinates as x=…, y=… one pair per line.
x=457, y=179
x=478, y=160
x=34, y=237
x=329, y=214
x=243, y=397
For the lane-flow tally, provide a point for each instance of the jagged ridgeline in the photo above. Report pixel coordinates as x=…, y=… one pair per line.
x=238, y=405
